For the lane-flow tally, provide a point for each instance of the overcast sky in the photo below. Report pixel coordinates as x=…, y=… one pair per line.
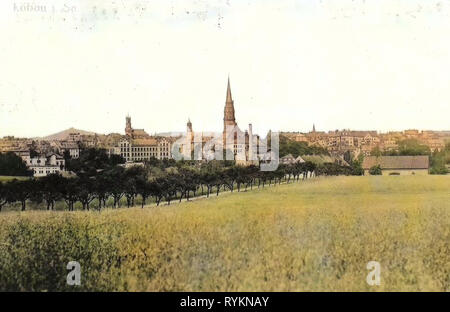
x=381, y=65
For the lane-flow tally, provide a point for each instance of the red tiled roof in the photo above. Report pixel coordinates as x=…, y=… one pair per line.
x=396, y=162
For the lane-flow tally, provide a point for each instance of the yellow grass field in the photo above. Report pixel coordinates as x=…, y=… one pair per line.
x=316, y=235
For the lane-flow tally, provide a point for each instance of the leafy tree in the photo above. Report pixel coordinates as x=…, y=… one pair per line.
x=230, y=176
x=168, y=186
x=13, y=165
x=144, y=188
x=93, y=160
x=5, y=194
x=376, y=151
x=209, y=179
x=308, y=167
x=440, y=160
x=157, y=189
x=131, y=175
x=85, y=188
x=21, y=191
x=49, y=189
x=115, y=178
x=288, y=146
x=412, y=147
x=409, y=147
x=356, y=166
x=101, y=189
x=70, y=192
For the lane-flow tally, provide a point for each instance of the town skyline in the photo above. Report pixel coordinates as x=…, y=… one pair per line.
x=183, y=131
x=372, y=65
x=228, y=97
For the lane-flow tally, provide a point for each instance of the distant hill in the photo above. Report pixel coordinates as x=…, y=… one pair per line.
x=64, y=135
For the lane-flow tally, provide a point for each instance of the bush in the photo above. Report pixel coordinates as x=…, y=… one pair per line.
x=439, y=170
x=375, y=170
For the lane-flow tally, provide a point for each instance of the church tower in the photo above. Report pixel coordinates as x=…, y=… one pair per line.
x=189, y=126
x=228, y=114
x=189, y=132
x=128, y=129
x=229, y=121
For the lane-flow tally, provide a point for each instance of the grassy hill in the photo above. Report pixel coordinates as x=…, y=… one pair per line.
x=309, y=236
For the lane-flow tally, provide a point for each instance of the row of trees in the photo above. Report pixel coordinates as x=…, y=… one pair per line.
x=174, y=183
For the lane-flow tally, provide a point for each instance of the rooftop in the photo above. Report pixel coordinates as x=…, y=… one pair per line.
x=397, y=162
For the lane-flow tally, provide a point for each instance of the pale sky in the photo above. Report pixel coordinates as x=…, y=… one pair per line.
x=378, y=65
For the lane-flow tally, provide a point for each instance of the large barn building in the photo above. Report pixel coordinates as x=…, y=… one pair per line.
x=398, y=165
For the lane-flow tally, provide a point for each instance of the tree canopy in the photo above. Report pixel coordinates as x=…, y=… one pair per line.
x=288, y=146
x=13, y=165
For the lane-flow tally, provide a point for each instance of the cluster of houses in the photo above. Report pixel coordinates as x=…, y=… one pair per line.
x=44, y=165
x=48, y=155
x=363, y=142
x=389, y=165
x=42, y=157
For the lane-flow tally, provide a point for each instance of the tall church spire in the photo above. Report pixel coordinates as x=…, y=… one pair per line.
x=229, y=97
x=228, y=116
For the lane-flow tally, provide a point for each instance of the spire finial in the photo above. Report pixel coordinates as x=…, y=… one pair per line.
x=229, y=97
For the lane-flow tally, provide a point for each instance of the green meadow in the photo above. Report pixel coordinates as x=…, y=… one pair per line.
x=314, y=235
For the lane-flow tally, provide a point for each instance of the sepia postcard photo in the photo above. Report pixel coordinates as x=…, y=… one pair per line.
x=227, y=152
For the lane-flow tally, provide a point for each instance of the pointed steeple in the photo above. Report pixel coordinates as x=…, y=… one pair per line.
x=229, y=121
x=228, y=115
x=229, y=97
